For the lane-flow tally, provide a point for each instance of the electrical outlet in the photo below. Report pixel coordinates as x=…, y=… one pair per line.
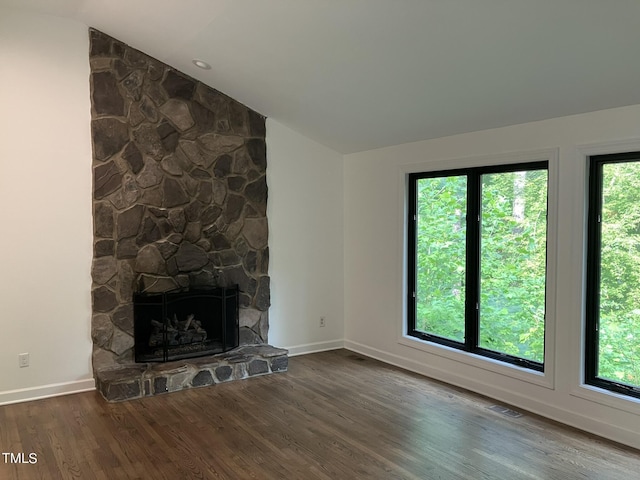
x=323, y=322
x=23, y=360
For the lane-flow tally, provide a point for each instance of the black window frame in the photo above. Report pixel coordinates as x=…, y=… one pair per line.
x=593, y=277
x=472, y=261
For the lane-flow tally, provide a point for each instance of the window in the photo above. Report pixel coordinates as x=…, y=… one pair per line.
x=477, y=260
x=612, y=333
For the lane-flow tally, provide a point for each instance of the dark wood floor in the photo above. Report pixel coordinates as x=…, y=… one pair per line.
x=334, y=415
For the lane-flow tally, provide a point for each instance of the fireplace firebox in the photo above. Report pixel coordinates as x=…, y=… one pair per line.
x=176, y=325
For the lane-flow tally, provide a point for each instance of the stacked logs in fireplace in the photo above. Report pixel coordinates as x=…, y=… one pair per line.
x=177, y=325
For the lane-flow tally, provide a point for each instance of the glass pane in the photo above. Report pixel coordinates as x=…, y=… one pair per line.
x=619, y=331
x=440, y=256
x=513, y=263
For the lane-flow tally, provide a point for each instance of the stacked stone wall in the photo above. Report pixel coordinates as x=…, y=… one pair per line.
x=179, y=194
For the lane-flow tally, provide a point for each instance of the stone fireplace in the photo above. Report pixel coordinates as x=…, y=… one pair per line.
x=179, y=204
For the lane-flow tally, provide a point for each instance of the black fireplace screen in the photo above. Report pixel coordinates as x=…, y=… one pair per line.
x=177, y=325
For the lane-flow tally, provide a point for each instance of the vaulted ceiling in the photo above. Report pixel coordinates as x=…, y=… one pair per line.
x=360, y=74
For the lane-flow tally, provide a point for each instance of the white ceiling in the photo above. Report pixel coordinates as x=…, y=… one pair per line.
x=360, y=74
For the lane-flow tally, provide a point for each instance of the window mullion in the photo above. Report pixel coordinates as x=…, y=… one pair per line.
x=593, y=267
x=411, y=251
x=472, y=327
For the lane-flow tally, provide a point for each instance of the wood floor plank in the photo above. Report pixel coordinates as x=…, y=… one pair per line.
x=333, y=415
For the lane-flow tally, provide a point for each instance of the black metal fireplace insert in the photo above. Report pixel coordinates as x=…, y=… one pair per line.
x=177, y=325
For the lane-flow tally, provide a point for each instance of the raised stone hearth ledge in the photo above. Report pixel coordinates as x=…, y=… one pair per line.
x=147, y=379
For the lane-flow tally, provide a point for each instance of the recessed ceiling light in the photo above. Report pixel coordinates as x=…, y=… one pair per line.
x=201, y=64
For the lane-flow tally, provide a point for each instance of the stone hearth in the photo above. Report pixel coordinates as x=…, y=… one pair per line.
x=143, y=380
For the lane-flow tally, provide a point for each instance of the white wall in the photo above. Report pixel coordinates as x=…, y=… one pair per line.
x=305, y=241
x=374, y=247
x=45, y=194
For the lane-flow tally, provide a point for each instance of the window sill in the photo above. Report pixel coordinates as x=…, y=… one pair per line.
x=489, y=364
x=607, y=398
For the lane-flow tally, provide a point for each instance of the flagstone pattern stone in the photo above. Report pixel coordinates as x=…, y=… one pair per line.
x=129, y=382
x=179, y=201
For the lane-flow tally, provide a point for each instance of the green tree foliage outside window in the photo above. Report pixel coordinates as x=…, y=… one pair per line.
x=513, y=263
x=440, y=258
x=619, y=316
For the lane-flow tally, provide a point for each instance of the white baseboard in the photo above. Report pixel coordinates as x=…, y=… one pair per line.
x=581, y=422
x=315, y=347
x=46, y=391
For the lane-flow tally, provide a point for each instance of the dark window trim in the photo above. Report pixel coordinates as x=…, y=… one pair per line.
x=472, y=259
x=594, y=239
